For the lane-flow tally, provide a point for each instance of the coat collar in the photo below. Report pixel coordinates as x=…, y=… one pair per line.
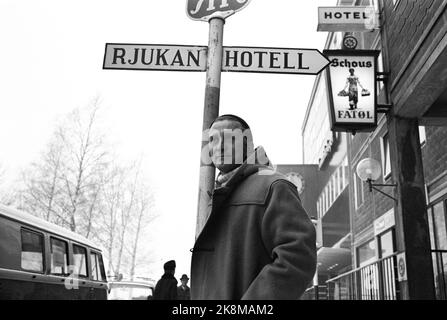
x=220, y=194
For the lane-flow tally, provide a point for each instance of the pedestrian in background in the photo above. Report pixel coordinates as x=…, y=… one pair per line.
x=257, y=242
x=183, y=291
x=166, y=287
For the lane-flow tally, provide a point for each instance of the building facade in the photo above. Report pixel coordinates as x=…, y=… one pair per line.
x=396, y=231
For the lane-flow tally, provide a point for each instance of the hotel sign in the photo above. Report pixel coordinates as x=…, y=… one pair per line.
x=193, y=58
x=352, y=87
x=352, y=18
x=120, y=56
x=273, y=60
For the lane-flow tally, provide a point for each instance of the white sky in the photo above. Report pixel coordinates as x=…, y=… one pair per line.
x=51, y=62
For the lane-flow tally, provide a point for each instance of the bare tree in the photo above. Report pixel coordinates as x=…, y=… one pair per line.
x=111, y=203
x=76, y=184
x=86, y=157
x=142, y=220
x=127, y=212
x=64, y=184
x=42, y=184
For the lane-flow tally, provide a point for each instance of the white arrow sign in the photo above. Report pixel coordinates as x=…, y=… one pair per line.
x=273, y=60
x=154, y=57
x=193, y=58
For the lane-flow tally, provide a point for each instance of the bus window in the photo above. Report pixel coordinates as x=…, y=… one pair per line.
x=32, y=251
x=80, y=260
x=98, y=273
x=59, y=257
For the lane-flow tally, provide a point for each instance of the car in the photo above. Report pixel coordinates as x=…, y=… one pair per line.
x=41, y=260
x=130, y=290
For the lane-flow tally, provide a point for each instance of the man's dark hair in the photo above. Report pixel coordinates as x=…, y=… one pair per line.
x=232, y=117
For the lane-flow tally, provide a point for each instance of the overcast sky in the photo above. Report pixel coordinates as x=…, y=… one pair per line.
x=51, y=62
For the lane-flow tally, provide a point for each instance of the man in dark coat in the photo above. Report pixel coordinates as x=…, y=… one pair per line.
x=183, y=291
x=257, y=242
x=166, y=287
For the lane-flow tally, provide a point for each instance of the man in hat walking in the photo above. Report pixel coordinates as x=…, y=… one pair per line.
x=258, y=242
x=183, y=291
x=166, y=288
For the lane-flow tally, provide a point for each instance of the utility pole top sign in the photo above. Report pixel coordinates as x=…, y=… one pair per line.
x=205, y=10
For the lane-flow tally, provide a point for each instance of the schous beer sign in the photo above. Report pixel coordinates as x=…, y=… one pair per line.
x=205, y=10
x=352, y=87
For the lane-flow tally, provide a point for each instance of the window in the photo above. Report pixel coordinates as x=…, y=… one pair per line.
x=439, y=226
x=98, y=273
x=358, y=191
x=366, y=253
x=386, y=159
x=386, y=242
x=341, y=178
x=59, y=257
x=422, y=135
x=32, y=251
x=334, y=187
x=346, y=172
x=80, y=260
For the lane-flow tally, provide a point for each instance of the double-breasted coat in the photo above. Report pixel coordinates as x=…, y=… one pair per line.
x=258, y=242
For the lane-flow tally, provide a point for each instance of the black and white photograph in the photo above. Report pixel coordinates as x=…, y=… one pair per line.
x=248, y=157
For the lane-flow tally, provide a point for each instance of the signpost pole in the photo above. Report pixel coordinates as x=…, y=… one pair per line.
x=210, y=112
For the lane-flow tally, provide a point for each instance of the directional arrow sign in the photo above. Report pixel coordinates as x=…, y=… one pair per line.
x=193, y=58
x=273, y=60
x=206, y=9
x=154, y=57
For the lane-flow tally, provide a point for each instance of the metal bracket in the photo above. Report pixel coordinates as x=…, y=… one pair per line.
x=382, y=76
x=372, y=186
x=384, y=108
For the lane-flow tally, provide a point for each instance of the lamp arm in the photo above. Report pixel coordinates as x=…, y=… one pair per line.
x=384, y=185
x=373, y=187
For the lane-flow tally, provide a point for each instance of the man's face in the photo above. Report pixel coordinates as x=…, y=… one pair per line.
x=226, y=143
x=184, y=282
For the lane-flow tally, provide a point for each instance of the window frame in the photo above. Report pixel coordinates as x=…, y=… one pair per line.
x=384, y=142
x=86, y=259
x=359, y=191
x=358, y=247
x=67, y=252
x=422, y=132
x=434, y=223
x=98, y=256
x=379, y=237
x=22, y=229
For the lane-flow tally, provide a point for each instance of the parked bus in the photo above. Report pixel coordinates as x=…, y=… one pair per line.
x=40, y=260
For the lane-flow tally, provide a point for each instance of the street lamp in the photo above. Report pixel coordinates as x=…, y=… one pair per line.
x=369, y=170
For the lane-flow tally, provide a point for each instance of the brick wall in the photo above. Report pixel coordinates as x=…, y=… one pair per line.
x=434, y=153
x=405, y=25
x=375, y=204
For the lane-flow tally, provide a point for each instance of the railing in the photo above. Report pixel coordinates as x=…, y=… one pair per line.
x=316, y=293
x=378, y=280
x=375, y=281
